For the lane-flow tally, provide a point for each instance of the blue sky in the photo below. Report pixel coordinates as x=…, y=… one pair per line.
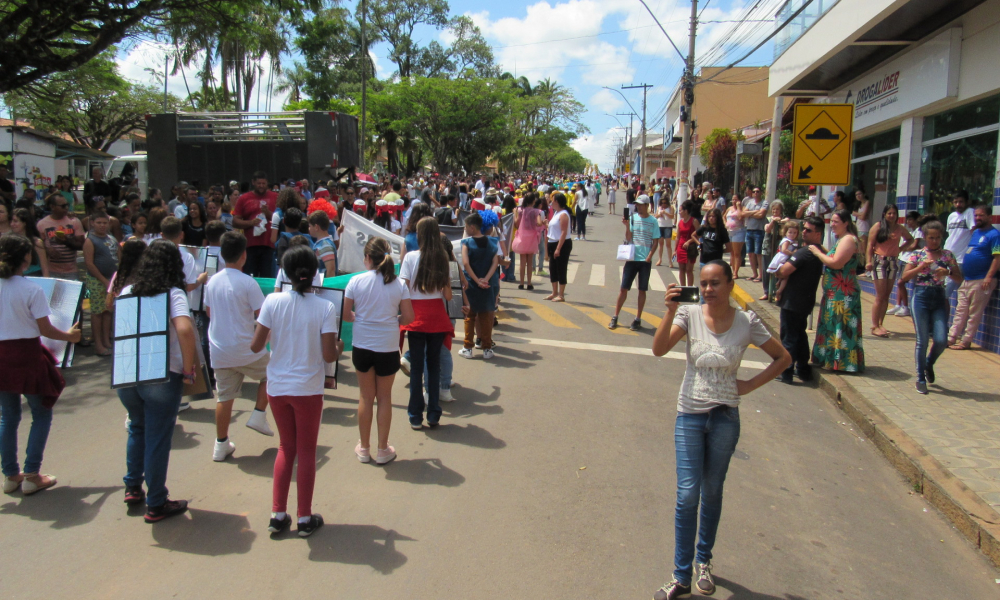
x=583, y=45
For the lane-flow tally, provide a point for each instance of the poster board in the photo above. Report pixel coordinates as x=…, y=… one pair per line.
x=454, y=306
x=335, y=297
x=141, y=340
x=65, y=299
x=205, y=262
x=357, y=230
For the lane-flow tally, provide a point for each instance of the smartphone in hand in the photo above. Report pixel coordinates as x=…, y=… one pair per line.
x=689, y=294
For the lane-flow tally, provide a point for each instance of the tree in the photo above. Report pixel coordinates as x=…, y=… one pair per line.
x=330, y=42
x=394, y=22
x=93, y=105
x=292, y=83
x=39, y=39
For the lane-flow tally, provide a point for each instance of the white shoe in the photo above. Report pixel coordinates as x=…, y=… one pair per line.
x=404, y=366
x=893, y=310
x=487, y=354
x=445, y=395
x=385, y=456
x=183, y=406
x=128, y=424
x=902, y=312
x=465, y=352
x=258, y=422
x=427, y=397
x=222, y=450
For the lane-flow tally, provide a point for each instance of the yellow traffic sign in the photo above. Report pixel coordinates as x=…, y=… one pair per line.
x=821, y=146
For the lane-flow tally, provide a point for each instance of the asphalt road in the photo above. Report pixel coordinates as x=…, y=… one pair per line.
x=551, y=477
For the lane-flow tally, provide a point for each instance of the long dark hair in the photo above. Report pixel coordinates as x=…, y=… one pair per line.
x=433, y=272
x=160, y=270
x=885, y=226
x=560, y=199
x=30, y=228
x=14, y=249
x=156, y=216
x=380, y=254
x=131, y=254
x=720, y=225
x=419, y=211
x=300, y=264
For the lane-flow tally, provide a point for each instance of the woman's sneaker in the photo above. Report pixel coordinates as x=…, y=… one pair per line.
x=705, y=583
x=222, y=450
x=672, y=590
x=364, y=454
x=445, y=395
x=310, y=527
x=385, y=455
x=279, y=525
x=155, y=514
x=134, y=495
x=902, y=312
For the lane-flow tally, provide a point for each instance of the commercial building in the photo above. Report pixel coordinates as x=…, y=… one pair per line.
x=924, y=78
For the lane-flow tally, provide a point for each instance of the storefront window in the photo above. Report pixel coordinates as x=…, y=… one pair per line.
x=876, y=177
x=967, y=164
x=971, y=116
x=880, y=142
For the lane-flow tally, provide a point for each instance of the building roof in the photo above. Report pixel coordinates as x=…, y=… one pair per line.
x=64, y=148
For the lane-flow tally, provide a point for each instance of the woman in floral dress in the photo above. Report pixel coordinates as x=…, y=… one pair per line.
x=838, y=333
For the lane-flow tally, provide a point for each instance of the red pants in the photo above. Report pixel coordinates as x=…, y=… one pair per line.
x=298, y=419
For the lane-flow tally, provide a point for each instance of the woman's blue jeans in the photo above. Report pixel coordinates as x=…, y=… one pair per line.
x=447, y=367
x=152, y=409
x=10, y=419
x=704, y=443
x=929, y=308
x=424, y=345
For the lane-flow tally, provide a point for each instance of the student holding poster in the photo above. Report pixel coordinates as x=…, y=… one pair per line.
x=26, y=318
x=237, y=299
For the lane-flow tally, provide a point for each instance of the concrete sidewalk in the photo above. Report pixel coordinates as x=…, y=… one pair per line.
x=947, y=443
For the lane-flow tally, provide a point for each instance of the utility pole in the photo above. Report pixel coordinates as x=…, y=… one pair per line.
x=166, y=73
x=642, y=149
x=772, y=157
x=688, y=85
x=628, y=132
x=364, y=82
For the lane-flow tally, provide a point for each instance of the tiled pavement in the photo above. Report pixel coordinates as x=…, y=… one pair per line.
x=957, y=424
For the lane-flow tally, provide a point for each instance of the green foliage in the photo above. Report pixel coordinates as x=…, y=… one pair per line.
x=330, y=42
x=93, y=105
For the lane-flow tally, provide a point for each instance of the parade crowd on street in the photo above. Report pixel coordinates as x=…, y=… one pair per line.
x=400, y=306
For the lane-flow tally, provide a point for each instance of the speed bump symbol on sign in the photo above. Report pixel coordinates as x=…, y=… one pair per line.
x=821, y=147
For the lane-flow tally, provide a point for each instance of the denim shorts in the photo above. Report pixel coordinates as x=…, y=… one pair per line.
x=755, y=241
x=739, y=236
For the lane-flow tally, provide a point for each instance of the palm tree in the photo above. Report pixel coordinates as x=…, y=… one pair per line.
x=292, y=82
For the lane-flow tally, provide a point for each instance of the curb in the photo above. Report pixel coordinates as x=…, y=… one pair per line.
x=964, y=509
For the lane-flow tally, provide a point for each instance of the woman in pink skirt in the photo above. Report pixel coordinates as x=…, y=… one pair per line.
x=529, y=222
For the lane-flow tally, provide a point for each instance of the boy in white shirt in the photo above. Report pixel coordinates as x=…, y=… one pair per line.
x=233, y=301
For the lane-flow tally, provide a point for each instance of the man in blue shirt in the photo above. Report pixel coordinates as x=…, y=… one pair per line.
x=642, y=231
x=979, y=267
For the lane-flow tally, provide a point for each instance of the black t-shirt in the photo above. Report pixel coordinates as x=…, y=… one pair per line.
x=99, y=189
x=713, y=243
x=193, y=236
x=629, y=196
x=6, y=187
x=800, y=291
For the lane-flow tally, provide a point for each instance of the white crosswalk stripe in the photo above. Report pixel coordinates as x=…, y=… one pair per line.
x=597, y=275
x=571, y=272
x=655, y=282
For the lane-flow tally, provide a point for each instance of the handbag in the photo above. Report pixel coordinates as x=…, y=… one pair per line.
x=626, y=252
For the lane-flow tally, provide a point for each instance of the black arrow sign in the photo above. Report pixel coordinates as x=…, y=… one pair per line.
x=804, y=173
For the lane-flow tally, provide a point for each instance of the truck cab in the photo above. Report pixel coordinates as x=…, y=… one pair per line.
x=132, y=170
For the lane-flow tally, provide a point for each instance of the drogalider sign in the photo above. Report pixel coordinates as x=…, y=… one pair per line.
x=921, y=76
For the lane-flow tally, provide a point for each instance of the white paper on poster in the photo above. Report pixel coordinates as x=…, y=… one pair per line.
x=65, y=300
x=357, y=230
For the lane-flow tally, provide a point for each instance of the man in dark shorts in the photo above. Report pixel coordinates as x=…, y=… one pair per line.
x=803, y=272
x=642, y=232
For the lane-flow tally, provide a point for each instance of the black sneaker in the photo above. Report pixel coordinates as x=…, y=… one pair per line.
x=432, y=425
x=155, y=514
x=636, y=325
x=672, y=590
x=705, y=583
x=805, y=375
x=479, y=343
x=279, y=525
x=614, y=322
x=929, y=373
x=134, y=495
x=307, y=529
x=784, y=377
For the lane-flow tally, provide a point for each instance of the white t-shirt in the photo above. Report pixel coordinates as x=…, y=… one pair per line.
x=178, y=308
x=282, y=278
x=713, y=360
x=23, y=301
x=296, y=323
x=233, y=298
x=960, y=226
x=376, y=311
x=408, y=271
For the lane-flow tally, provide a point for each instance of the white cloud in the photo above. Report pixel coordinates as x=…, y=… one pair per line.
x=599, y=148
x=607, y=101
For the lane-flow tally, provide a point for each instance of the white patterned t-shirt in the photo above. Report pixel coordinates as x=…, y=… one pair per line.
x=713, y=359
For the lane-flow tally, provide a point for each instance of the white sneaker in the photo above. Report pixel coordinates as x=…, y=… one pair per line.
x=445, y=395
x=128, y=424
x=903, y=312
x=258, y=422
x=427, y=397
x=184, y=406
x=465, y=352
x=404, y=365
x=222, y=450
x=487, y=354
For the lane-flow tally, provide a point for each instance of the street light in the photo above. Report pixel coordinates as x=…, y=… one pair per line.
x=623, y=98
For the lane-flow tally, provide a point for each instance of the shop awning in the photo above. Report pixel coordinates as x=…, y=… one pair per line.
x=65, y=149
x=909, y=24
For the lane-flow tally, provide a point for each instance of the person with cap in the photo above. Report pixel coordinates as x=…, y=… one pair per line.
x=383, y=214
x=643, y=231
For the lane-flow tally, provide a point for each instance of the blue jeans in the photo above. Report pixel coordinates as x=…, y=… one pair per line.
x=447, y=367
x=929, y=308
x=153, y=411
x=755, y=241
x=704, y=444
x=10, y=419
x=424, y=346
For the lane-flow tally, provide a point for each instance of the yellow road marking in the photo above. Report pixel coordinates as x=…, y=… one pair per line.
x=548, y=315
x=601, y=319
x=650, y=318
x=742, y=298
